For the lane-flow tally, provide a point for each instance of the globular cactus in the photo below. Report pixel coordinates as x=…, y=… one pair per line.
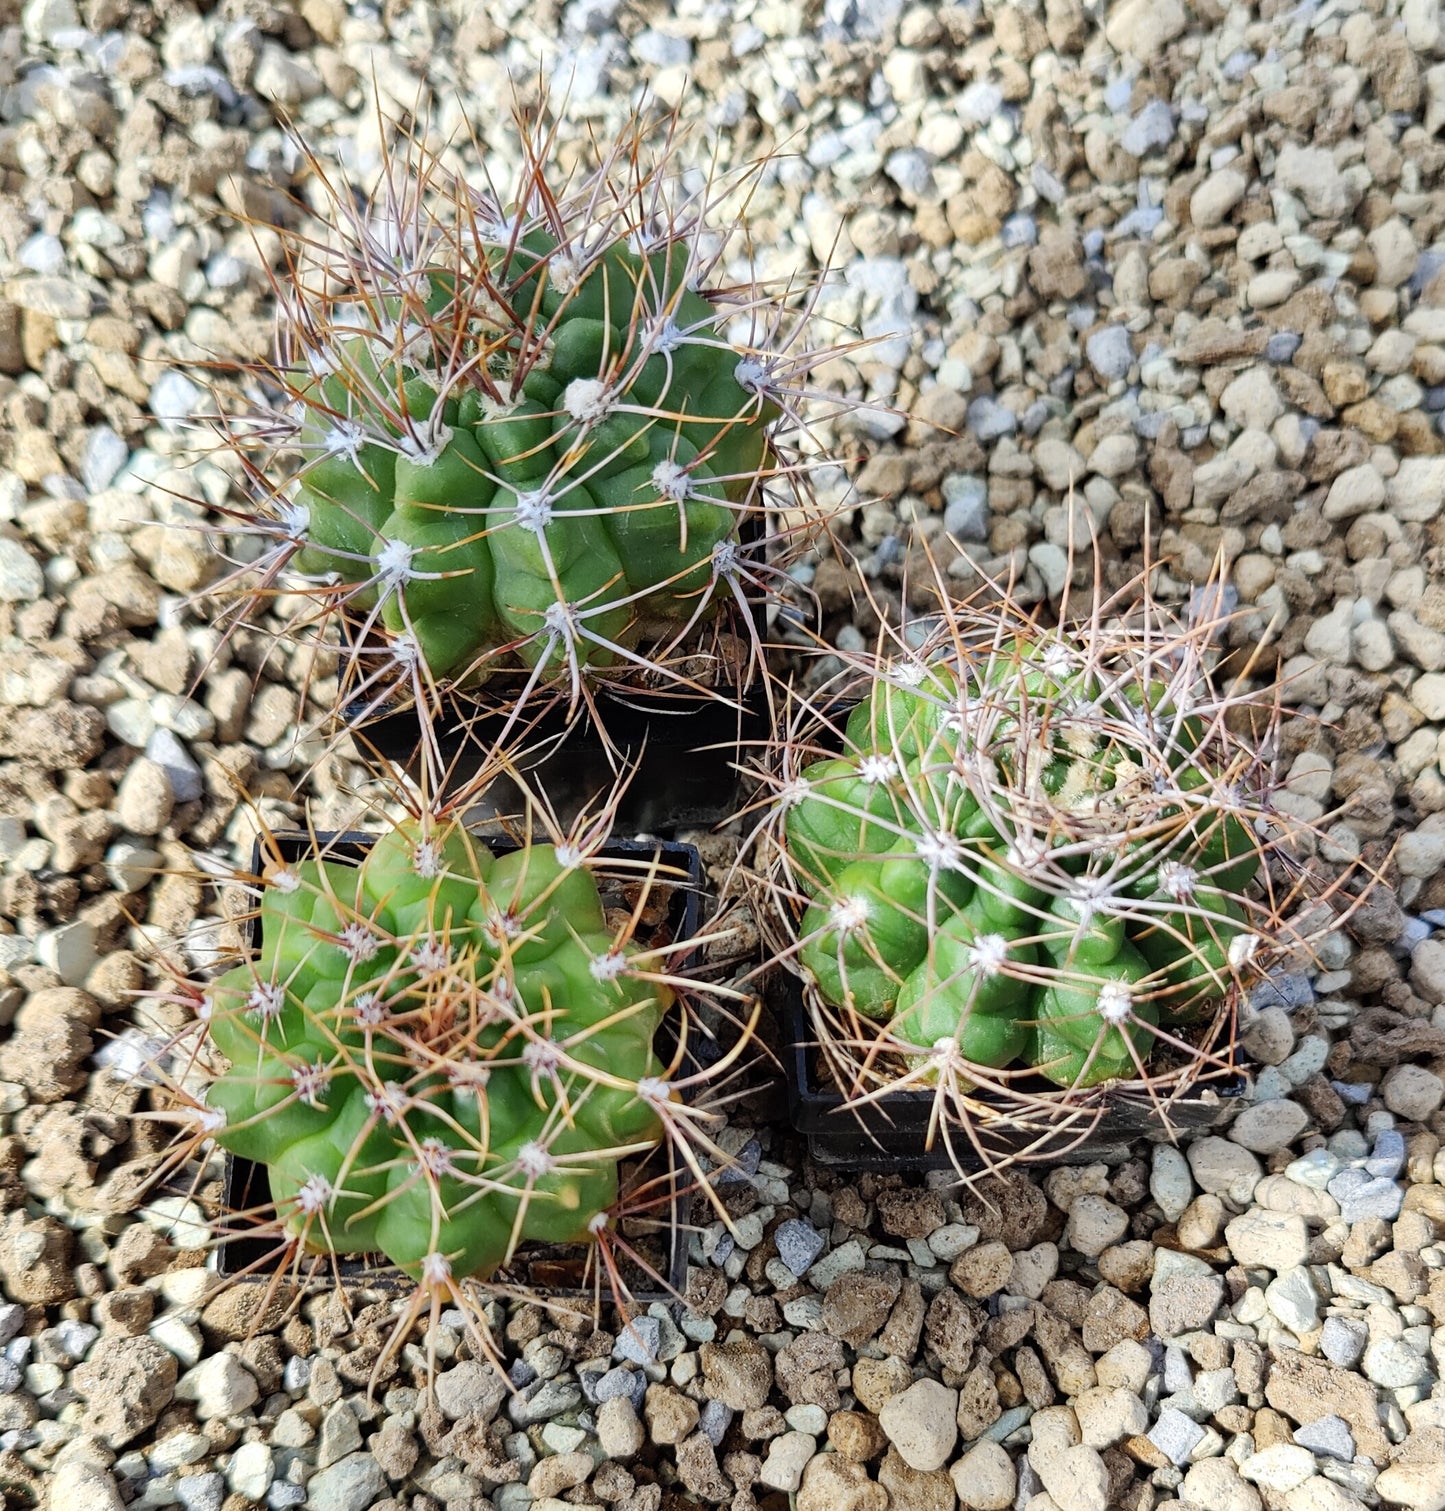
x=1027, y=851
x=516, y=436
x=439, y=1053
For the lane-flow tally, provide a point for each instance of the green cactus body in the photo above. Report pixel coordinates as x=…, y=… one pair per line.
x=437, y=1053
x=875, y=929
x=531, y=455
x=1087, y=859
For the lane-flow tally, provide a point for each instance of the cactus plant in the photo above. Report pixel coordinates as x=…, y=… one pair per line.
x=440, y=1053
x=1025, y=855
x=516, y=437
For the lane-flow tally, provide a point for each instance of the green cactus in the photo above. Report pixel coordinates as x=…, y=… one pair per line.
x=1039, y=854
x=515, y=437
x=437, y=1054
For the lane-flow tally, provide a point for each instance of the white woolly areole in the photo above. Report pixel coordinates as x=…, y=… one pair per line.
x=344, y=438
x=599, y=1222
x=388, y=1103
x=849, y=914
x=435, y=1157
x=1177, y=880
x=1115, y=1002
x=294, y=517
x=1056, y=660
x=561, y=621
x=541, y=1056
x=940, y=852
x=359, y=943
x=654, y=1089
x=1242, y=949
x=569, y=857
x=431, y=956
x=468, y=1077
x=666, y=335
x=436, y=1270
x=310, y=1083
x=209, y=1119
x=285, y=881
x=426, y=448
x=535, y=1160
x=607, y=967
x=672, y=481
x=874, y=769
x=794, y=792
x=907, y=674
x=726, y=558
x=393, y=562
x=404, y=650
x=944, y=1049
x=426, y=860
x=267, y=999
x=1026, y=855
x=206, y=1008
x=314, y=1195
x=587, y=400
x=987, y=954
x=368, y=1011
x=534, y=510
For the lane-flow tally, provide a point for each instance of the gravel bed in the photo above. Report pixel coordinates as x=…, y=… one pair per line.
x=1173, y=270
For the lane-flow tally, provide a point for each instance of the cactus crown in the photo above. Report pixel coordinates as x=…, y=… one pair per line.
x=1026, y=851
x=515, y=435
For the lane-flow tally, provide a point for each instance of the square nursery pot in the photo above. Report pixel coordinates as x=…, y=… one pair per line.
x=684, y=743
x=555, y=1270
x=892, y=1132
x=685, y=750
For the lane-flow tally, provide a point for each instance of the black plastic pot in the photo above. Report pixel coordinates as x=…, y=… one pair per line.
x=1100, y=1126
x=684, y=750
x=555, y=1270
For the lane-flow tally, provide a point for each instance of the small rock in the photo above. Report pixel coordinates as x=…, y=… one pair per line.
x=350, y=1485
x=220, y=1386
x=1268, y=1127
x=921, y=1422
x=788, y=1456
x=619, y=1434
x=145, y=798
x=799, y=1243
x=1330, y=1436
x=1175, y=1435
x=1269, y=1240
x=985, y=1478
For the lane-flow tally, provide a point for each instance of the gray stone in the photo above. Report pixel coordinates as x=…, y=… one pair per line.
x=639, y=1341
x=1361, y=1195
x=1110, y=352
x=1330, y=1436
x=350, y=1485
x=799, y=1243
x=201, y=1492
x=220, y=1386
x=1175, y=1435
x=1150, y=130
x=470, y=1389
x=21, y=580
x=966, y=511
x=166, y=749
x=1342, y=1340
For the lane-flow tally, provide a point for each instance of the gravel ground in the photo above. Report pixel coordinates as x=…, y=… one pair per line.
x=1190, y=262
